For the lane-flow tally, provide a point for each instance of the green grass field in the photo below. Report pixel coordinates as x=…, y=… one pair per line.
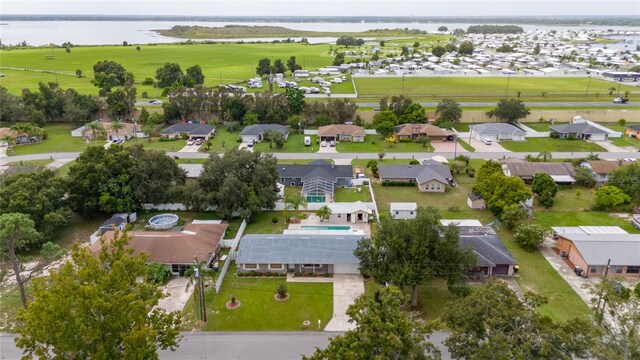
x=489, y=88
x=259, y=310
x=376, y=144
x=59, y=140
x=221, y=63
x=552, y=145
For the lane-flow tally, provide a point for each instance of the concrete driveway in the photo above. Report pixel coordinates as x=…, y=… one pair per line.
x=611, y=147
x=448, y=147
x=327, y=149
x=190, y=148
x=481, y=147
x=178, y=293
x=346, y=288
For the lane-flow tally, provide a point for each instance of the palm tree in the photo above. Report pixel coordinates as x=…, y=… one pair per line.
x=544, y=155
x=95, y=127
x=116, y=125
x=324, y=212
x=295, y=202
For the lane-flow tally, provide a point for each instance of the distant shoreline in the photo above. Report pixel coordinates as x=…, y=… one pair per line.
x=530, y=20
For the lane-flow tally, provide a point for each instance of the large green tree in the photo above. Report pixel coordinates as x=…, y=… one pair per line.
x=466, y=48
x=626, y=178
x=295, y=98
x=438, y=51
x=498, y=190
x=121, y=102
x=194, y=76
x=264, y=67
x=108, y=74
x=449, y=110
x=169, y=74
x=407, y=253
x=510, y=110
x=492, y=323
x=383, y=331
x=546, y=189
x=97, y=307
x=609, y=197
x=240, y=183
x=530, y=235
x=17, y=232
x=40, y=195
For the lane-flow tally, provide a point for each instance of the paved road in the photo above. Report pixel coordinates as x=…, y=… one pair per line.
x=312, y=156
x=529, y=104
x=237, y=345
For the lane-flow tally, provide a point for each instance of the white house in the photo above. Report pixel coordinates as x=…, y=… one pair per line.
x=403, y=210
x=354, y=212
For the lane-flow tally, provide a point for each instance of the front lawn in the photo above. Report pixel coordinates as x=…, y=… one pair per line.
x=154, y=143
x=626, y=141
x=551, y=145
x=536, y=274
x=259, y=311
x=294, y=144
x=352, y=194
x=38, y=163
x=59, y=139
x=222, y=141
x=376, y=144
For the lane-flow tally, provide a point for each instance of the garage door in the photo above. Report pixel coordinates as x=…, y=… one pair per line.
x=500, y=270
x=345, y=269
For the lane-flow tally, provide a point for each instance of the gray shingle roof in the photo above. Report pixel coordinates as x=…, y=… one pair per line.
x=298, y=249
x=422, y=173
x=318, y=168
x=634, y=127
x=191, y=129
x=490, y=251
x=597, y=249
x=496, y=128
x=259, y=129
x=577, y=128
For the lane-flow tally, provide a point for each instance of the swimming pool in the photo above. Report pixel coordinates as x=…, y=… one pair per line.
x=326, y=227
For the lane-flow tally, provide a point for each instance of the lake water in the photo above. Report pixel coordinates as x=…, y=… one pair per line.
x=140, y=32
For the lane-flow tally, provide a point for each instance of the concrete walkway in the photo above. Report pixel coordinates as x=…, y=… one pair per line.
x=610, y=147
x=346, y=288
x=58, y=163
x=178, y=294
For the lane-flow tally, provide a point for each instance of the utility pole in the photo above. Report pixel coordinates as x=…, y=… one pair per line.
x=402, y=84
x=599, y=312
x=588, y=84
x=199, y=290
x=507, y=90
x=619, y=83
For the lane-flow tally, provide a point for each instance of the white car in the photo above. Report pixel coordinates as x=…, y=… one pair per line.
x=155, y=102
x=191, y=142
x=630, y=159
x=487, y=141
x=332, y=143
x=323, y=143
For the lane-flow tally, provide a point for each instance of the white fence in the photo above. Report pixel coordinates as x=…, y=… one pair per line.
x=232, y=255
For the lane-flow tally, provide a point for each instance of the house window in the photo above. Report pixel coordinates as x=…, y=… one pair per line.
x=617, y=269
x=596, y=269
x=276, y=266
x=339, y=215
x=633, y=269
x=310, y=266
x=250, y=266
x=175, y=268
x=411, y=213
x=397, y=212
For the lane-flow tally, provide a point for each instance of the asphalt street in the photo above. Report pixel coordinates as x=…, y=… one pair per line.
x=237, y=345
x=353, y=156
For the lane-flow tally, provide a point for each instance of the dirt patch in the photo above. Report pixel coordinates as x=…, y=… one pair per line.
x=232, y=306
x=285, y=298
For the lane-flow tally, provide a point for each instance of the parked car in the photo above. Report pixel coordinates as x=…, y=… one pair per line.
x=199, y=141
x=620, y=100
x=155, y=102
x=578, y=270
x=191, y=142
x=487, y=141
x=332, y=143
x=323, y=143
x=307, y=141
x=251, y=143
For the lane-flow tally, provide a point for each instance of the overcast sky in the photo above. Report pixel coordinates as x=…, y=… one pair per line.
x=325, y=8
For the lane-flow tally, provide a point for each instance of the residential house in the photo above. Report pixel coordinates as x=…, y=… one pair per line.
x=602, y=168
x=633, y=131
x=580, y=130
x=194, y=131
x=560, y=172
x=414, y=131
x=492, y=257
x=318, y=179
x=595, y=252
x=403, y=210
x=497, y=132
x=176, y=249
x=115, y=222
x=341, y=132
x=476, y=201
x=349, y=212
x=294, y=253
x=255, y=133
x=430, y=176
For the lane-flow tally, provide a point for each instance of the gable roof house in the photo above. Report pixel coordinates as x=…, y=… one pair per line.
x=194, y=131
x=430, y=176
x=176, y=249
x=561, y=173
x=341, y=132
x=403, y=210
x=414, y=131
x=296, y=253
x=633, y=130
x=580, y=130
x=349, y=212
x=497, y=132
x=255, y=133
x=318, y=179
x=602, y=168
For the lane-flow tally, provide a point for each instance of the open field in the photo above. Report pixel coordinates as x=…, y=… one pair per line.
x=488, y=88
x=259, y=310
x=549, y=144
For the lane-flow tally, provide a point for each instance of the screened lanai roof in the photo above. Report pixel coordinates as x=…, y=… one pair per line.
x=318, y=185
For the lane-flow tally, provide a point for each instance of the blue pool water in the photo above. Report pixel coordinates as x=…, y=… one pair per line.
x=328, y=227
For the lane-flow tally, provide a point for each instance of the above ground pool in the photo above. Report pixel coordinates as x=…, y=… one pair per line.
x=163, y=221
x=327, y=227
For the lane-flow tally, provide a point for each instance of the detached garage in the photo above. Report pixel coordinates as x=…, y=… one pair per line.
x=296, y=253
